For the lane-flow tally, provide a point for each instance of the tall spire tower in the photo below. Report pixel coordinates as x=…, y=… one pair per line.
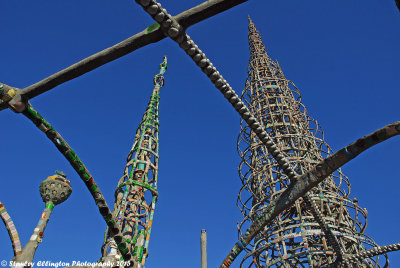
x=295, y=238
x=136, y=193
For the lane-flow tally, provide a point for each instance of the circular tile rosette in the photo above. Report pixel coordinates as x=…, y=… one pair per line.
x=55, y=189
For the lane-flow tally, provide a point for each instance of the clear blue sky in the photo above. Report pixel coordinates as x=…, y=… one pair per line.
x=343, y=55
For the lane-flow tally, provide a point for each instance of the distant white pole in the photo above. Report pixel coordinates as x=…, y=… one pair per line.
x=203, y=245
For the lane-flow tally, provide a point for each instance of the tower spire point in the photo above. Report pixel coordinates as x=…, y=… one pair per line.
x=136, y=194
x=251, y=23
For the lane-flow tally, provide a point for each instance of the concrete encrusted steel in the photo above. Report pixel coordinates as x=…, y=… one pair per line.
x=80, y=168
x=54, y=190
x=317, y=229
x=203, y=246
x=304, y=183
x=354, y=259
x=136, y=194
x=11, y=229
x=187, y=18
x=176, y=32
x=291, y=216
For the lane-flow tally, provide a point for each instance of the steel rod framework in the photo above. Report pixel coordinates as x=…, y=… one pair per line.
x=317, y=229
x=274, y=206
x=54, y=190
x=176, y=32
x=151, y=34
x=17, y=100
x=136, y=194
x=82, y=171
x=306, y=182
x=354, y=259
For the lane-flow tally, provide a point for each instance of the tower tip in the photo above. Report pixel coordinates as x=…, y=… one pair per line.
x=248, y=17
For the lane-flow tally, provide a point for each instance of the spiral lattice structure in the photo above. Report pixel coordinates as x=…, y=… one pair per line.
x=136, y=193
x=294, y=239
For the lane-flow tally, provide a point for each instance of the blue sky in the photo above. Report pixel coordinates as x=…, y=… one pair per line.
x=343, y=55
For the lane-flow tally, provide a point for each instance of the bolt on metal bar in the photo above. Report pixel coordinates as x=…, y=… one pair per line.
x=306, y=182
x=151, y=34
x=172, y=28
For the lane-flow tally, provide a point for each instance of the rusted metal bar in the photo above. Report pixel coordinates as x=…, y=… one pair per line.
x=151, y=34
x=306, y=182
x=83, y=173
x=172, y=28
x=368, y=254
